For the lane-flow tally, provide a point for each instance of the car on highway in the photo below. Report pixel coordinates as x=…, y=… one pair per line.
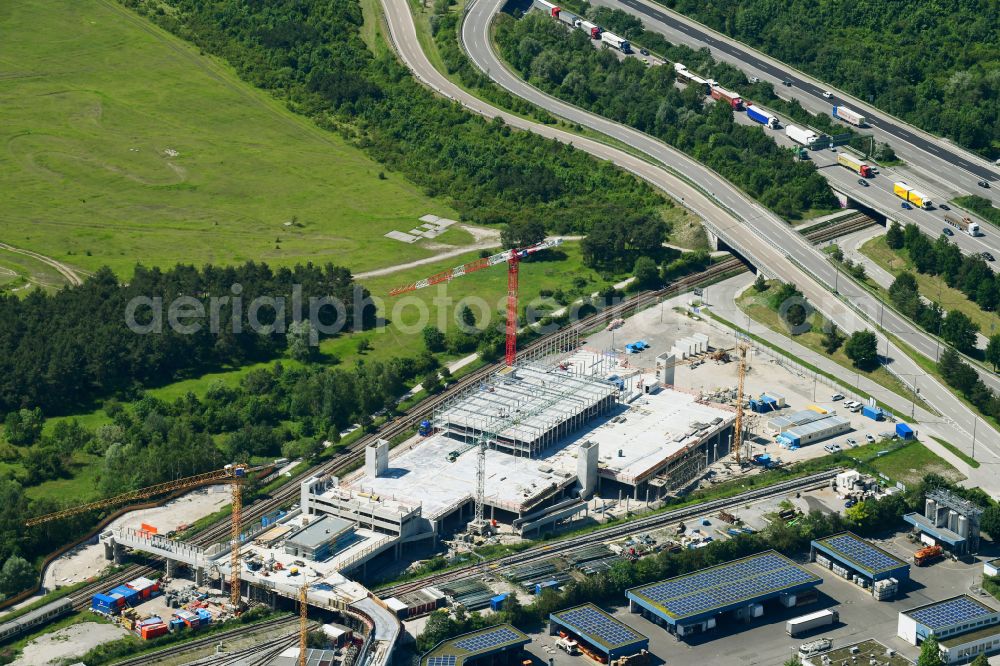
x=754, y=79
x=870, y=438
x=944, y=206
x=947, y=232
x=787, y=82
x=832, y=448
x=827, y=94
x=643, y=51
x=983, y=183
x=987, y=256
x=851, y=441
x=906, y=205
x=862, y=182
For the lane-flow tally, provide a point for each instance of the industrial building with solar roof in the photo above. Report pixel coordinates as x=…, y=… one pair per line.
x=964, y=627
x=859, y=557
x=598, y=632
x=691, y=603
x=496, y=646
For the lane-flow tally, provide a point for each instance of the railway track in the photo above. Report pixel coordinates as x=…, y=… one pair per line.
x=278, y=624
x=616, y=531
x=289, y=492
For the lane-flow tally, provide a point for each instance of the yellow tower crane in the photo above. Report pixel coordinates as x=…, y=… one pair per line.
x=234, y=475
x=741, y=352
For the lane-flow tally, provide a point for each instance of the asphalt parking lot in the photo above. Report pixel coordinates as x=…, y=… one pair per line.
x=764, y=641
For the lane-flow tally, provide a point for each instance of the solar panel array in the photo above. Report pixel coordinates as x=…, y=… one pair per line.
x=952, y=611
x=725, y=584
x=861, y=552
x=486, y=640
x=592, y=622
x=442, y=661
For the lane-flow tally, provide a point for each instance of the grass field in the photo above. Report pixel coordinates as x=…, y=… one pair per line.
x=87, y=162
x=755, y=304
x=908, y=463
x=932, y=287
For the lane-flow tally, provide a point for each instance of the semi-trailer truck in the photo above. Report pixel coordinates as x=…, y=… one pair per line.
x=566, y=17
x=591, y=29
x=907, y=193
x=804, y=623
x=614, y=41
x=763, y=117
x=547, y=7
x=849, y=116
x=800, y=135
x=730, y=98
x=854, y=164
x=963, y=223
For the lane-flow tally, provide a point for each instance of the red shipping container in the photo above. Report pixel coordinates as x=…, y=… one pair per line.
x=153, y=630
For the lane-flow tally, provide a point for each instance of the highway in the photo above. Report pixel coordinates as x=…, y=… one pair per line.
x=760, y=236
x=929, y=156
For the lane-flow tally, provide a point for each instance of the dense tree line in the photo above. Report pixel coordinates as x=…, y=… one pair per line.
x=932, y=64
x=59, y=351
x=729, y=76
x=311, y=54
x=272, y=412
x=565, y=64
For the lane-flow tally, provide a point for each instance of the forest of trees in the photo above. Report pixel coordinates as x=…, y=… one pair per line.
x=311, y=54
x=566, y=65
x=60, y=351
x=932, y=64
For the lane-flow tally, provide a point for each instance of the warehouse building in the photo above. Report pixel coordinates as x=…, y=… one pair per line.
x=501, y=645
x=599, y=634
x=694, y=602
x=948, y=520
x=826, y=427
x=853, y=558
x=780, y=424
x=964, y=627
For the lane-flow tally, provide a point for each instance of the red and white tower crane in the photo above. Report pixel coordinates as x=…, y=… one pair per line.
x=512, y=258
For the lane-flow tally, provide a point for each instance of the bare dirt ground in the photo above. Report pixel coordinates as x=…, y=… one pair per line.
x=69, y=642
x=88, y=560
x=68, y=272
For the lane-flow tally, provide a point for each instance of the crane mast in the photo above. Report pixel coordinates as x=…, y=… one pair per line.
x=741, y=349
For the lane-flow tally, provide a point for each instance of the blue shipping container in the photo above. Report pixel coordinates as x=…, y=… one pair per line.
x=872, y=412
x=130, y=595
x=496, y=603
x=904, y=431
x=543, y=586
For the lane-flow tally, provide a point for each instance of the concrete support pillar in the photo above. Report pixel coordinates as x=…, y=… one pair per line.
x=119, y=553
x=713, y=240
x=109, y=550
x=199, y=576
x=171, y=566
x=553, y=630
x=633, y=607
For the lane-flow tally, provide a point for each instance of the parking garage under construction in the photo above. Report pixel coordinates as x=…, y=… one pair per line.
x=555, y=435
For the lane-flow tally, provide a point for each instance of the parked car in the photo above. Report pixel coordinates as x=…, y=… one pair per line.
x=643, y=51
x=862, y=182
x=870, y=438
x=906, y=205
x=754, y=79
x=947, y=232
x=832, y=448
x=849, y=503
x=851, y=441
x=836, y=397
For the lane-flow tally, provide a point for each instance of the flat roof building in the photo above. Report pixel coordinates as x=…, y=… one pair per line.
x=499, y=646
x=950, y=617
x=692, y=602
x=320, y=538
x=949, y=520
x=598, y=632
x=860, y=557
x=815, y=431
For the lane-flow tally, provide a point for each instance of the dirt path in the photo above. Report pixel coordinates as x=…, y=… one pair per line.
x=485, y=239
x=66, y=271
